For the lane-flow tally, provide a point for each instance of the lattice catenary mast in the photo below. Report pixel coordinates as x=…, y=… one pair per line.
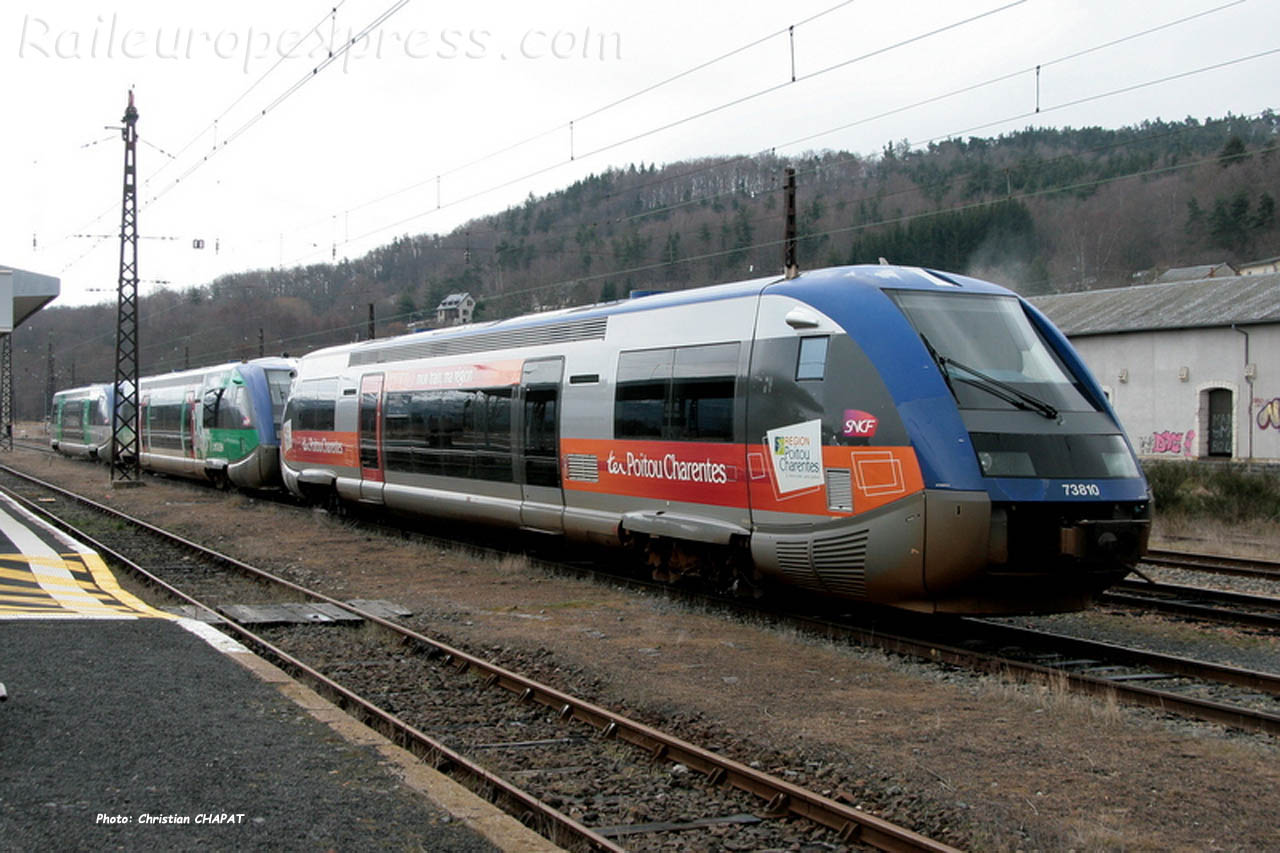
x=124, y=414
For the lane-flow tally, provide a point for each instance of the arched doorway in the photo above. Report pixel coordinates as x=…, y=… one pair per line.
x=1218, y=404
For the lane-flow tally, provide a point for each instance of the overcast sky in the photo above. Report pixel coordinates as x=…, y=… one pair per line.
x=446, y=111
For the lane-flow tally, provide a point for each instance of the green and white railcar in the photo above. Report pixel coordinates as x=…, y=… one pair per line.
x=220, y=424
x=80, y=421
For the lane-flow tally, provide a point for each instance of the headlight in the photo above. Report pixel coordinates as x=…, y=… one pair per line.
x=1006, y=463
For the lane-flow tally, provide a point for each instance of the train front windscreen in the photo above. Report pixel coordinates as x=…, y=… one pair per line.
x=993, y=358
x=278, y=383
x=985, y=343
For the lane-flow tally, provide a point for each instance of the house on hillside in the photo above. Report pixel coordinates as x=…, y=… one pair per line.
x=1266, y=265
x=455, y=309
x=1192, y=368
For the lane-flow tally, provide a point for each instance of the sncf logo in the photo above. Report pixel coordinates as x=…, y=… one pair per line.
x=859, y=423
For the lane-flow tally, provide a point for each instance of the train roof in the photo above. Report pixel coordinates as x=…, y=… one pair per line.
x=876, y=277
x=82, y=389
x=267, y=362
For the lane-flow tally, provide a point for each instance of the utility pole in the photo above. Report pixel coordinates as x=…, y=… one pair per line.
x=51, y=383
x=790, y=266
x=6, y=391
x=370, y=321
x=125, y=470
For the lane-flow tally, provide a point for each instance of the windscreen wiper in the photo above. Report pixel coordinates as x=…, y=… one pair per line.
x=942, y=364
x=996, y=388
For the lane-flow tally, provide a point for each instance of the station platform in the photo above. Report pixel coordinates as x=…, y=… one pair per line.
x=128, y=728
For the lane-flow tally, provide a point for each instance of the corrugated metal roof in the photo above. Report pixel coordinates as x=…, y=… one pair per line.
x=1210, y=302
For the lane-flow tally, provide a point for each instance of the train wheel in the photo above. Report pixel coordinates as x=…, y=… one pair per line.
x=336, y=506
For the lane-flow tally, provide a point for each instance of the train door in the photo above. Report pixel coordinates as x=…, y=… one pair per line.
x=144, y=425
x=538, y=460
x=371, y=476
x=191, y=433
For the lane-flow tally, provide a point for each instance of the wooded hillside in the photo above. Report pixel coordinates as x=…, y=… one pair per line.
x=1040, y=211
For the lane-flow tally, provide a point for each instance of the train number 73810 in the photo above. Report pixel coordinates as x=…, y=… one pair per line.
x=1081, y=490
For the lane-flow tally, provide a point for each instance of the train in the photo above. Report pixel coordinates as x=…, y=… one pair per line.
x=891, y=435
x=220, y=424
x=80, y=421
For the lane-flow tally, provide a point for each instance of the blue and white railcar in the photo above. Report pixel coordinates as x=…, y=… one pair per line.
x=882, y=434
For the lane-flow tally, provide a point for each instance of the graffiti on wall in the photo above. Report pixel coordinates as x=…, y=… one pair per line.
x=1168, y=442
x=1268, y=413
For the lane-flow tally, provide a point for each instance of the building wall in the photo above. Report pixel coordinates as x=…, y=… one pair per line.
x=1261, y=267
x=1160, y=381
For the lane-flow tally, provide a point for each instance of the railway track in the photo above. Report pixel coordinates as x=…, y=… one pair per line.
x=1237, y=566
x=583, y=769
x=1233, y=608
x=1230, y=696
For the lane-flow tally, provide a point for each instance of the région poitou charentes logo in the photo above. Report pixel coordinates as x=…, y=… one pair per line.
x=795, y=452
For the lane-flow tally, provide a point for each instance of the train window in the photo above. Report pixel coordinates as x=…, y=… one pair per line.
x=983, y=338
x=454, y=433
x=278, y=383
x=714, y=360
x=234, y=412
x=541, y=466
x=639, y=408
x=212, y=402
x=683, y=394
x=165, y=421
x=702, y=392
x=369, y=410
x=72, y=415
x=404, y=431
x=312, y=407
x=645, y=366
x=1053, y=456
x=702, y=410
x=498, y=426
x=493, y=458
x=812, y=363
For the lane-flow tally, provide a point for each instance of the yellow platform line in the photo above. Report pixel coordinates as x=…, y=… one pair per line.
x=28, y=591
x=85, y=583
x=49, y=605
x=107, y=583
x=25, y=592
x=60, y=581
x=49, y=570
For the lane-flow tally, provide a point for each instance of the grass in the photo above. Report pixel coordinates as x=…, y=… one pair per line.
x=1226, y=493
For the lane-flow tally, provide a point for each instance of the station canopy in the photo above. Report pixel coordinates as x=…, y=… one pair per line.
x=22, y=294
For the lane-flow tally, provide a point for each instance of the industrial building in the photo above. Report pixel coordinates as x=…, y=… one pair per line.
x=22, y=294
x=1191, y=367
